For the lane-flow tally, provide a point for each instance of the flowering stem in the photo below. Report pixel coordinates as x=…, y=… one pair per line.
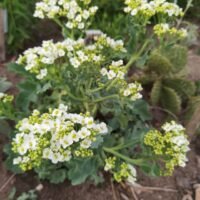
x=138, y=162
x=189, y=3
x=122, y=146
x=111, y=84
x=106, y=98
x=137, y=55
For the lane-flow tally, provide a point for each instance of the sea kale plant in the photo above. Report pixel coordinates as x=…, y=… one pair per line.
x=76, y=113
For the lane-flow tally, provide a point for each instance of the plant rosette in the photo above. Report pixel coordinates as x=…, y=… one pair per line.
x=77, y=113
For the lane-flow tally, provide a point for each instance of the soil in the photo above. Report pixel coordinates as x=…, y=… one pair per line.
x=182, y=182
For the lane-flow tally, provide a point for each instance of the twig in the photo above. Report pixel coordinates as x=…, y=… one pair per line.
x=154, y=188
x=124, y=196
x=6, y=183
x=113, y=191
x=134, y=193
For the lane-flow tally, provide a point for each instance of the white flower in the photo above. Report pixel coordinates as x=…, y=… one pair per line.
x=127, y=92
x=66, y=141
x=1, y=95
x=172, y=126
x=133, y=174
x=103, y=129
x=69, y=25
x=83, y=133
x=104, y=71
x=117, y=63
x=75, y=136
x=111, y=74
x=85, y=14
x=81, y=25
x=43, y=73
x=108, y=166
x=86, y=143
x=180, y=140
x=17, y=160
x=75, y=62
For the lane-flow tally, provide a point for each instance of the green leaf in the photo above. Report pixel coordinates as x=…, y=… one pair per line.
x=27, y=94
x=4, y=84
x=152, y=169
x=122, y=120
x=177, y=56
x=141, y=108
x=185, y=88
x=58, y=176
x=81, y=169
x=156, y=92
x=9, y=161
x=170, y=100
x=5, y=127
x=97, y=143
x=18, y=69
x=159, y=63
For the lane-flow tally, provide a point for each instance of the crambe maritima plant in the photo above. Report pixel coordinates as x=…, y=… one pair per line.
x=77, y=113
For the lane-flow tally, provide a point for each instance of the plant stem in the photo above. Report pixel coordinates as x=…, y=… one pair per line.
x=106, y=98
x=122, y=146
x=189, y=3
x=137, y=55
x=138, y=162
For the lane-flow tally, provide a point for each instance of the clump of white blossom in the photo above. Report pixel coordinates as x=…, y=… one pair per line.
x=132, y=91
x=36, y=60
x=147, y=9
x=6, y=105
x=116, y=70
x=57, y=136
x=5, y=98
x=172, y=145
x=122, y=171
x=75, y=14
x=164, y=29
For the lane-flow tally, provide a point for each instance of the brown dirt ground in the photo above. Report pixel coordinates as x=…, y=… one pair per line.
x=182, y=181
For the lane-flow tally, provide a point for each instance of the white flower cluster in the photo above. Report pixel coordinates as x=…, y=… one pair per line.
x=56, y=136
x=2, y=95
x=179, y=139
x=121, y=171
x=165, y=29
x=104, y=41
x=37, y=59
x=133, y=91
x=76, y=15
x=148, y=9
x=132, y=178
x=5, y=98
x=116, y=70
x=173, y=126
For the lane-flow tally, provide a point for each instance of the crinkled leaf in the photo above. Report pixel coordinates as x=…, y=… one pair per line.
x=80, y=170
x=4, y=84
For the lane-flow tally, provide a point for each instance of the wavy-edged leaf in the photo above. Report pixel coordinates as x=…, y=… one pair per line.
x=156, y=92
x=80, y=170
x=159, y=63
x=185, y=88
x=170, y=100
x=177, y=56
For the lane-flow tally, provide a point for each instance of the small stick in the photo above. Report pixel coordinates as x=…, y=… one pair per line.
x=113, y=191
x=124, y=196
x=6, y=183
x=155, y=188
x=134, y=193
